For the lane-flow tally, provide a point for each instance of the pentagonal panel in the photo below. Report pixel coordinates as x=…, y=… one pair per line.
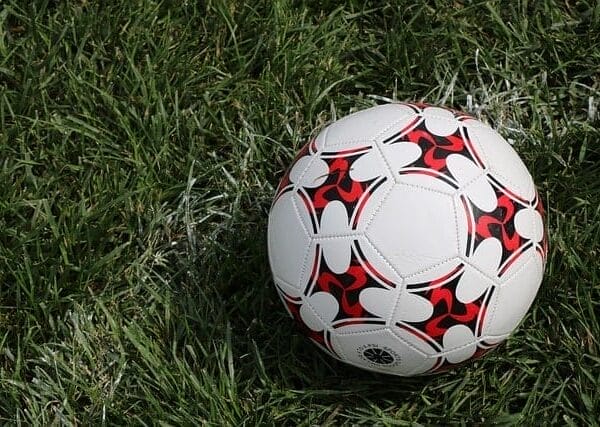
x=502, y=160
x=289, y=244
x=414, y=229
x=344, y=191
x=379, y=351
x=366, y=126
x=514, y=223
x=343, y=272
x=433, y=311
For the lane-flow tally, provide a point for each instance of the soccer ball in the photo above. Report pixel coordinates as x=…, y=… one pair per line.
x=407, y=239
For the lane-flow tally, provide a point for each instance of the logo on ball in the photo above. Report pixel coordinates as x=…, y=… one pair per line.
x=378, y=356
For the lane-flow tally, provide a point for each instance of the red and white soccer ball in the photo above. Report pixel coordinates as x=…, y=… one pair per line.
x=407, y=238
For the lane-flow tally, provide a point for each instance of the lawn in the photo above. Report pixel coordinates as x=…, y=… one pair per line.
x=140, y=146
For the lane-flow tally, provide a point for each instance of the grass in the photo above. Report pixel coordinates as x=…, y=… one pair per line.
x=140, y=144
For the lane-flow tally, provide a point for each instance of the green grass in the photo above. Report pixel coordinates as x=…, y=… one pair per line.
x=140, y=144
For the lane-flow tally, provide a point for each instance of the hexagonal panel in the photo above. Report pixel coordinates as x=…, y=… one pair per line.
x=414, y=228
x=339, y=190
x=431, y=312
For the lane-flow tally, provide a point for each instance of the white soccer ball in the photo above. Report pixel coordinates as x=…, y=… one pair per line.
x=407, y=239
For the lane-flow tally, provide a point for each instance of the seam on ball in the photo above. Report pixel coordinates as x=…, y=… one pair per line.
x=511, y=185
x=435, y=116
x=277, y=278
x=391, y=125
x=492, y=170
x=388, y=330
x=348, y=142
x=385, y=161
x=377, y=208
x=467, y=261
x=454, y=210
x=421, y=187
x=307, y=251
x=311, y=308
x=383, y=257
x=336, y=236
x=504, y=280
x=325, y=136
x=492, y=311
x=495, y=337
x=297, y=212
x=433, y=266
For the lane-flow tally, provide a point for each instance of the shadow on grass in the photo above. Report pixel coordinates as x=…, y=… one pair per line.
x=268, y=348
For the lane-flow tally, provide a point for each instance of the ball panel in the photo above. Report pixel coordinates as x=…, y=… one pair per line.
x=366, y=126
x=379, y=351
x=499, y=224
x=502, y=160
x=348, y=285
x=414, y=229
x=514, y=295
x=288, y=242
x=438, y=134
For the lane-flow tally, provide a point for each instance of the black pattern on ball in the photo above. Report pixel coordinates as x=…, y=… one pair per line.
x=378, y=356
